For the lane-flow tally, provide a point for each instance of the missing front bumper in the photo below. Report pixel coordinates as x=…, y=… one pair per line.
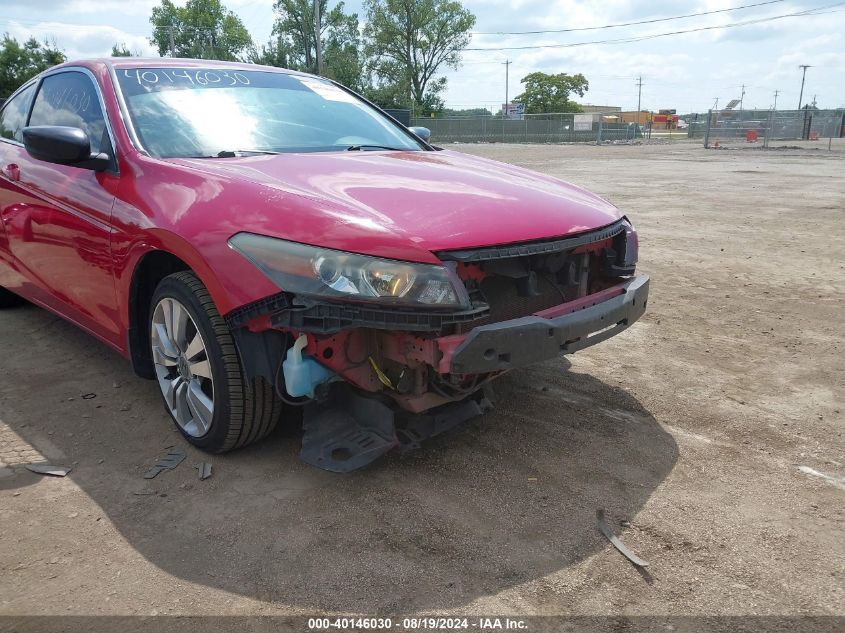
x=531, y=339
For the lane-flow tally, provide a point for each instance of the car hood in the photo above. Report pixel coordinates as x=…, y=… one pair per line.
x=431, y=200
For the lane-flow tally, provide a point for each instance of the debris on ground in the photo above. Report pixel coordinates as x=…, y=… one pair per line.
x=88, y=396
x=614, y=540
x=174, y=457
x=48, y=469
x=204, y=469
x=839, y=482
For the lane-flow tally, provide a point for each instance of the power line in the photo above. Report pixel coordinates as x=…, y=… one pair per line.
x=620, y=24
x=806, y=12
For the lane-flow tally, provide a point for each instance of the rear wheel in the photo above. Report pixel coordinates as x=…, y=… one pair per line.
x=199, y=372
x=9, y=299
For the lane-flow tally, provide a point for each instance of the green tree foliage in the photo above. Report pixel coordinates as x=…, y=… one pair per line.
x=120, y=50
x=387, y=92
x=408, y=42
x=550, y=93
x=391, y=88
x=204, y=29
x=296, y=41
x=468, y=112
x=19, y=62
x=342, y=52
x=274, y=53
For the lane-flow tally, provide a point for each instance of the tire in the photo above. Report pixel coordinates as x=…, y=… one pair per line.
x=188, y=379
x=9, y=299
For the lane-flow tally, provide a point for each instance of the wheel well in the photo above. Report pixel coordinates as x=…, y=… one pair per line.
x=149, y=272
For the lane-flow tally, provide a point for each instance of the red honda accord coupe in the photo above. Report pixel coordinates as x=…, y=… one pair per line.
x=256, y=240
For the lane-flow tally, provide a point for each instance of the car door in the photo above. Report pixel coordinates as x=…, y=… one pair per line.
x=58, y=217
x=13, y=118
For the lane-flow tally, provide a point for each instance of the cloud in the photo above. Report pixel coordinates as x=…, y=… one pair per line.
x=124, y=7
x=81, y=41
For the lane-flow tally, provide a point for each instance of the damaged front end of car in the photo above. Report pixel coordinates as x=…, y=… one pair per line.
x=384, y=354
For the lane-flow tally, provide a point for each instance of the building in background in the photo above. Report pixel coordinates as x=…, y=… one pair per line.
x=665, y=119
x=592, y=109
x=640, y=118
x=662, y=120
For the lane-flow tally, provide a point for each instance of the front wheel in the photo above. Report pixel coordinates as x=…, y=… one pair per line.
x=199, y=372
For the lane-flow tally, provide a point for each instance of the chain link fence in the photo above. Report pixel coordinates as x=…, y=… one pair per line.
x=532, y=128
x=786, y=129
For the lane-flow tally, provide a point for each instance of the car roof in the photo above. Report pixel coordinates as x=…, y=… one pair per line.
x=176, y=62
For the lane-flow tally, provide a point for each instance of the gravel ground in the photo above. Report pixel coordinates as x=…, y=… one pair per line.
x=711, y=433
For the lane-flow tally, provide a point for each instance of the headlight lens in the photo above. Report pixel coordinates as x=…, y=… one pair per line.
x=323, y=272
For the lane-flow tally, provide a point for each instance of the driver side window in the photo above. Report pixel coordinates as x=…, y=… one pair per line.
x=13, y=116
x=70, y=98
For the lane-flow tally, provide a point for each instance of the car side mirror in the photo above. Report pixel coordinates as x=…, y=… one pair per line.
x=64, y=146
x=422, y=132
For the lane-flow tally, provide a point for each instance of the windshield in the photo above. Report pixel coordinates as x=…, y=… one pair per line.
x=190, y=113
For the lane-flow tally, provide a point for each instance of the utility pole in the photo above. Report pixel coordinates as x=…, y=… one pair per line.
x=507, y=64
x=317, y=43
x=742, y=97
x=775, y=107
x=172, y=43
x=716, y=104
x=803, y=77
x=814, y=101
x=639, y=101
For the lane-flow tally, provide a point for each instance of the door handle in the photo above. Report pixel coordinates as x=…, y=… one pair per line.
x=12, y=171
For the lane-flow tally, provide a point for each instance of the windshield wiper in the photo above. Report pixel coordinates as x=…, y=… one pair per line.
x=358, y=148
x=234, y=153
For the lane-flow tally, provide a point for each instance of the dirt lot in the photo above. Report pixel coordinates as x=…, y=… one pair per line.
x=711, y=432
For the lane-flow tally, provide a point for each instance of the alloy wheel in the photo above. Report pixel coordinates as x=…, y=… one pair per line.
x=182, y=367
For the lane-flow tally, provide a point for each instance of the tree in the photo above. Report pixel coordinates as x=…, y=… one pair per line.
x=204, y=29
x=408, y=41
x=19, y=62
x=387, y=93
x=341, y=48
x=274, y=53
x=120, y=50
x=340, y=40
x=466, y=112
x=550, y=93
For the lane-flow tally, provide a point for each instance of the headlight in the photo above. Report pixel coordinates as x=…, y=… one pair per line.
x=323, y=272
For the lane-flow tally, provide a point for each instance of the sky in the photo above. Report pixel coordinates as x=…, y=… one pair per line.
x=687, y=72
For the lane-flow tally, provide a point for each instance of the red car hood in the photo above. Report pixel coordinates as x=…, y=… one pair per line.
x=434, y=200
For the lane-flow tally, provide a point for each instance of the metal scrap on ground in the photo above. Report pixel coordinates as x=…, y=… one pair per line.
x=608, y=532
x=174, y=457
x=204, y=469
x=49, y=469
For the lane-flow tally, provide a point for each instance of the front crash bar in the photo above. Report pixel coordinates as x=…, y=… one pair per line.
x=539, y=337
